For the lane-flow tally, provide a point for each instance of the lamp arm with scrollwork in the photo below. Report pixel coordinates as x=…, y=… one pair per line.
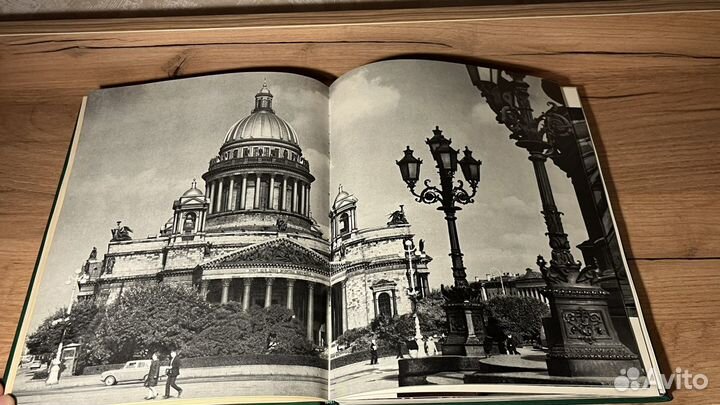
x=461, y=196
x=429, y=195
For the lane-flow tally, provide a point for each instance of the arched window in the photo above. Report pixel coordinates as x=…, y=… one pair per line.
x=285, y=154
x=384, y=304
x=246, y=152
x=344, y=223
x=189, y=223
x=235, y=153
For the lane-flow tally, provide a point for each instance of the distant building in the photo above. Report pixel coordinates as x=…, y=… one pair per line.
x=250, y=237
x=524, y=285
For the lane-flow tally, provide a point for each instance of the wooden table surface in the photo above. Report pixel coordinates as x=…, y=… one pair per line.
x=648, y=71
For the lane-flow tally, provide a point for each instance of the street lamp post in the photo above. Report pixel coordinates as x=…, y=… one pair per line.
x=464, y=316
x=579, y=329
x=414, y=294
x=54, y=374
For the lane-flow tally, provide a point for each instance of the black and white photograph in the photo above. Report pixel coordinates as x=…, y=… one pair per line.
x=416, y=228
x=188, y=259
x=471, y=239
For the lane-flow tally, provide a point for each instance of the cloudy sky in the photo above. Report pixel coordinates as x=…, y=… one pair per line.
x=378, y=109
x=141, y=146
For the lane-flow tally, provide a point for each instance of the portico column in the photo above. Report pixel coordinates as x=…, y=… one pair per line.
x=343, y=298
x=283, y=194
x=311, y=310
x=243, y=191
x=211, y=186
x=231, y=193
x=394, y=304
x=268, y=291
x=225, y=290
x=301, y=200
x=290, y=293
x=218, y=204
x=256, y=203
x=294, y=207
x=247, y=282
x=307, y=200
x=204, y=287
x=271, y=193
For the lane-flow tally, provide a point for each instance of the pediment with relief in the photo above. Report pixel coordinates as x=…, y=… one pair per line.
x=276, y=252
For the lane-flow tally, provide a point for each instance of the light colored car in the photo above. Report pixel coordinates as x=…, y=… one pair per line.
x=134, y=370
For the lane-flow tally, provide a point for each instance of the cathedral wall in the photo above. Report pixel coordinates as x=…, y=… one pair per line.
x=377, y=243
x=260, y=220
x=359, y=296
x=183, y=257
x=134, y=264
x=138, y=244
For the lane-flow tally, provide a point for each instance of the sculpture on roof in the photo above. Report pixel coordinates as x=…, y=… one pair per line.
x=121, y=233
x=397, y=217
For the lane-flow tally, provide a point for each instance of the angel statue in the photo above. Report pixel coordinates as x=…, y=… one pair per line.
x=120, y=233
x=398, y=217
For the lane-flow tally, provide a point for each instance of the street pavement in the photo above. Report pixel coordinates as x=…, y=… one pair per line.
x=363, y=377
x=76, y=391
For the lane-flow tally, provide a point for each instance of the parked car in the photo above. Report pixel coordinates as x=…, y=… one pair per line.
x=134, y=370
x=35, y=364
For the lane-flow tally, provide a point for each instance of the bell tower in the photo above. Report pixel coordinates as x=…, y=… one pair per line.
x=343, y=215
x=190, y=211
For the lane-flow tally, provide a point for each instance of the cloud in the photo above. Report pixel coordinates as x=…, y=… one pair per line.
x=352, y=109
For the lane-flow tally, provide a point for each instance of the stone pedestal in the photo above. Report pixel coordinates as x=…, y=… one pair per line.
x=582, y=340
x=466, y=329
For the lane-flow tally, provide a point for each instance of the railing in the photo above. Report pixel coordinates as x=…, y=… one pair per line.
x=217, y=163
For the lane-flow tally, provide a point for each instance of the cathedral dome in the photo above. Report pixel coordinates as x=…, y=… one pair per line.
x=343, y=199
x=193, y=191
x=262, y=123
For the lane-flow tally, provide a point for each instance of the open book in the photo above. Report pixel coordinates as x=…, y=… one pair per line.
x=419, y=231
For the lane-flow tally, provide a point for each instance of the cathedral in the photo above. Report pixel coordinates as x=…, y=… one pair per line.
x=249, y=237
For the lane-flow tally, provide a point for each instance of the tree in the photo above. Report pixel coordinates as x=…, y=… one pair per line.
x=148, y=318
x=433, y=319
x=228, y=330
x=77, y=327
x=521, y=316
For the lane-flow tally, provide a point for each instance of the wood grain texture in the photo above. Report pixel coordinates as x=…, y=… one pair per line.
x=651, y=82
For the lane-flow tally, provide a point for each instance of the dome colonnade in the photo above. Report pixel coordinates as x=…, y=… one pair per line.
x=260, y=168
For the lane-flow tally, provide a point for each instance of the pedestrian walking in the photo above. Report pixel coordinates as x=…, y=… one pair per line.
x=512, y=344
x=431, y=347
x=399, y=350
x=173, y=372
x=373, y=352
x=153, y=376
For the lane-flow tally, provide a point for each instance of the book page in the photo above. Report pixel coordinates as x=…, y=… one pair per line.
x=474, y=254
x=187, y=254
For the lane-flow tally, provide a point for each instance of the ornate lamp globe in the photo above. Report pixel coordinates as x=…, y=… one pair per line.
x=470, y=167
x=409, y=167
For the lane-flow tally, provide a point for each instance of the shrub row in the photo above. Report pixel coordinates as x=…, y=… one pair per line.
x=252, y=359
x=361, y=356
x=220, y=361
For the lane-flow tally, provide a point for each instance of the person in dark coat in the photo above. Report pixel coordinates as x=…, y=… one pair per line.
x=153, y=376
x=399, y=350
x=512, y=344
x=173, y=373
